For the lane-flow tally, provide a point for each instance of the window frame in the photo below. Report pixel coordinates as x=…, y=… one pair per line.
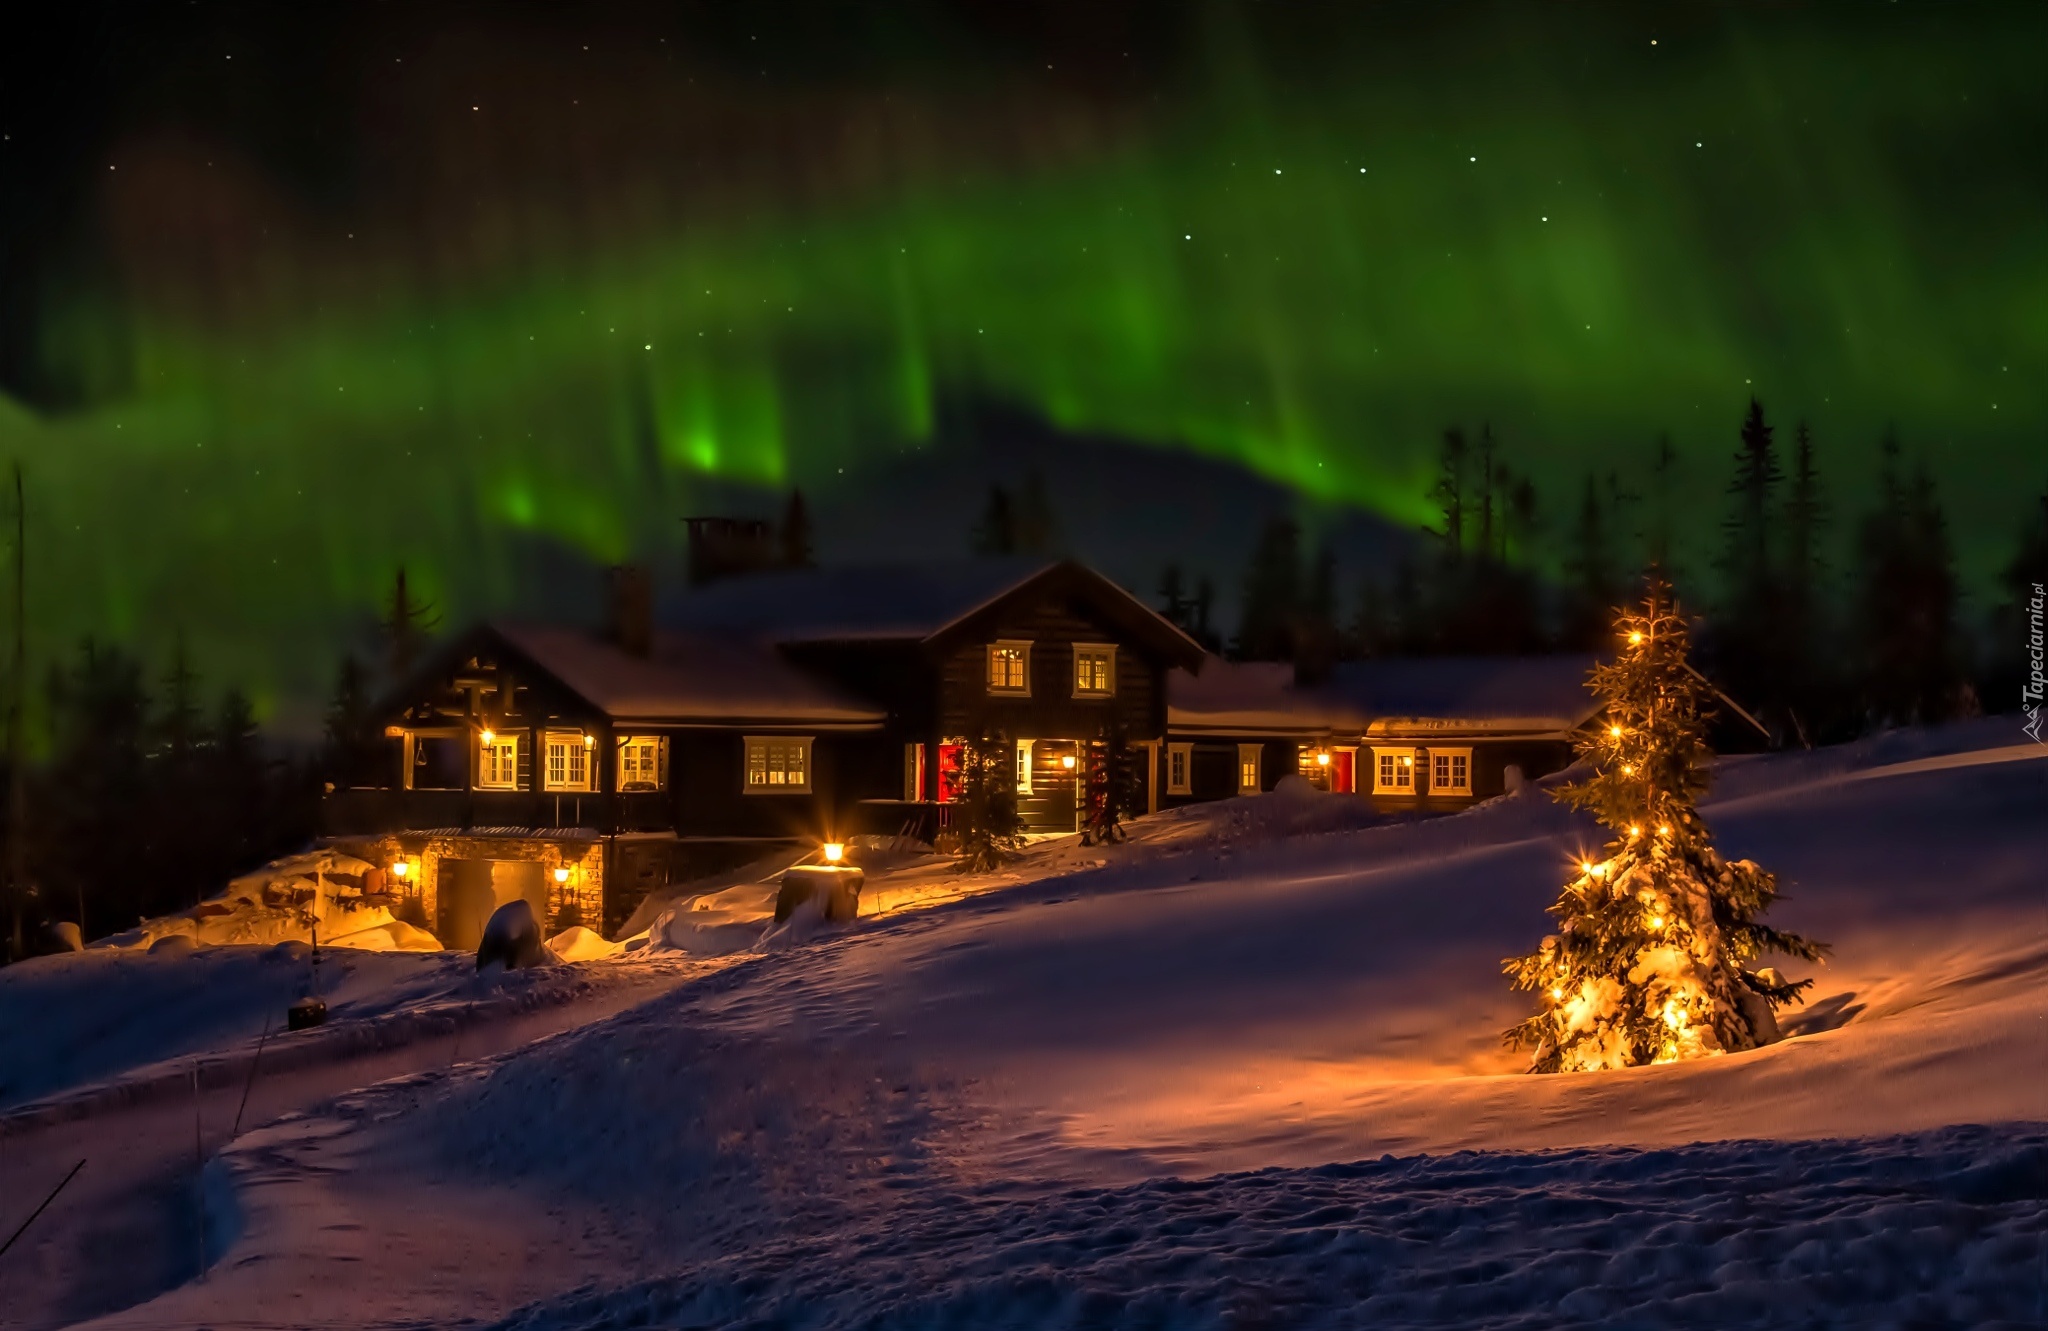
x=1254, y=757
x=1450, y=756
x=1381, y=756
x=1185, y=753
x=988, y=669
x=804, y=743
x=486, y=758
x=572, y=742
x=659, y=744
x=1103, y=649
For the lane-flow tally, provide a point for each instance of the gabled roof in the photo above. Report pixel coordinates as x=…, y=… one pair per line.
x=1394, y=695
x=904, y=602
x=686, y=678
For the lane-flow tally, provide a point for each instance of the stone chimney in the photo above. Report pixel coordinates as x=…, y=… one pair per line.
x=629, y=612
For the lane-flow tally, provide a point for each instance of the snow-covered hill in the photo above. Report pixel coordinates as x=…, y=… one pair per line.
x=1231, y=1077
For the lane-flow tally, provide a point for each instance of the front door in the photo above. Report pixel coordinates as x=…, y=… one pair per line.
x=1054, y=803
x=470, y=890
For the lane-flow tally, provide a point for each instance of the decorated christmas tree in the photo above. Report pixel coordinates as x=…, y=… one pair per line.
x=1112, y=789
x=1655, y=958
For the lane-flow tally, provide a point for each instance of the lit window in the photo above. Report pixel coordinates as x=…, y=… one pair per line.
x=568, y=761
x=1393, y=771
x=1094, y=670
x=778, y=766
x=1179, y=759
x=1248, y=768
x=1009, y=667
x=640, y=762
x=1024, y=765
x=1450, y=771
x=499, y=765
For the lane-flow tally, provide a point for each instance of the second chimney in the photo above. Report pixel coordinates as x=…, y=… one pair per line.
x=629, y=619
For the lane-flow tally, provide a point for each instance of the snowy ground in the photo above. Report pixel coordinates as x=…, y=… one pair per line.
x=1230, y=1076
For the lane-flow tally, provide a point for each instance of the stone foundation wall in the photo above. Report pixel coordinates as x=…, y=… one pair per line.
x=579, y=900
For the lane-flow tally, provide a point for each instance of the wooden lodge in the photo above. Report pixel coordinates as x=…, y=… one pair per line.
x=783, y=708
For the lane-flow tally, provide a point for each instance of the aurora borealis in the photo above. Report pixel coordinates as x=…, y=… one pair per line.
x=308, y=298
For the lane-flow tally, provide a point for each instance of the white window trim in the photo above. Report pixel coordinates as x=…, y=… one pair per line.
x=483, y=762
x=572, y=741
x=1186, y=754
x=1107, y=649
x=1447, y=788
x=747, y=765
x=988, y=670
x=1025, y=760
x=660, y=743
x=1254, y=754
x=1403, y=758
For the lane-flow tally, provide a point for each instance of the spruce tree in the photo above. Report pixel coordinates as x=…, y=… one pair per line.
x=996, y=533
x=1805, y=689
x=1272, y=594
x=985, y=812
x=352, y=748
x=1111, y=791
x=408, y=623
x=1036, y=530
x=1201, y=629
x=1590, y=587
x=1653, y=959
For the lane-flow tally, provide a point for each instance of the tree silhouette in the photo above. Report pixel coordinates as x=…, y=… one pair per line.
x=796, y=533
x=408, y=623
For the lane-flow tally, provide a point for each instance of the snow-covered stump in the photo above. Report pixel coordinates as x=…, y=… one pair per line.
x=512, y=939
x=836, y=887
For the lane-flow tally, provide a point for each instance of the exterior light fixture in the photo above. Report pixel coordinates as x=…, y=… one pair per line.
x=562, y=874
x=589, y=740
x=1322, y=760
x=489, y=735
x=1408, y=761
x=1067, y=761
x=401, y=868
x=835, y=851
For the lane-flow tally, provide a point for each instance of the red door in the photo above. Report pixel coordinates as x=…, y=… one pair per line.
x=949, y=773
x=1341, y=775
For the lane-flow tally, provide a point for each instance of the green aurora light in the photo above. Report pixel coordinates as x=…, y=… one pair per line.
x=1308, y=256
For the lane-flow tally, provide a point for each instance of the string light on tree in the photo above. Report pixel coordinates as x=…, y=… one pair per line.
x=1655, y=958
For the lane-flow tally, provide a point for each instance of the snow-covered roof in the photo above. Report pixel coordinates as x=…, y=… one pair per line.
x=1258, y=697
x=1384, y=697
x=850, y=602
x=686, y=678
x=899, y=602
x=1523, y=693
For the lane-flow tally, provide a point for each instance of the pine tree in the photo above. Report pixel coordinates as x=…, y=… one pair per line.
x=1202, y=629
x=408, y=623
x=985, y=813
x=796, y=533
x=1652, y=961
x=1035, y=530
x=351, y=750
x=1806, y=687
x=1749, y=631
x=1272, y=594
x=1660, y=547
x=996, y=533
x=1906, y=606
x=1173, y=602
x=1315, y=630
x=1590, y=587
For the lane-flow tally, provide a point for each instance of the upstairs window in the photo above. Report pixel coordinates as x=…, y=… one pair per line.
x=568, y=760
x=498, y=763
x=642, y=762
x=1094, y=670
x=778, y=766
x=1009, y=668
x=1450, y=771
x=1393, y=771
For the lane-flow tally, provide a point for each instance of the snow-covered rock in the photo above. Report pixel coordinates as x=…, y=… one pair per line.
x=337, y=895
x=512, y=940
x=577, y=943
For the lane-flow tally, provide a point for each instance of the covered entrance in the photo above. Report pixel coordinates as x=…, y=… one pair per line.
x=469, y=890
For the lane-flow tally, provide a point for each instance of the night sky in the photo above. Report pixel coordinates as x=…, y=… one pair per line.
x=289, y=296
